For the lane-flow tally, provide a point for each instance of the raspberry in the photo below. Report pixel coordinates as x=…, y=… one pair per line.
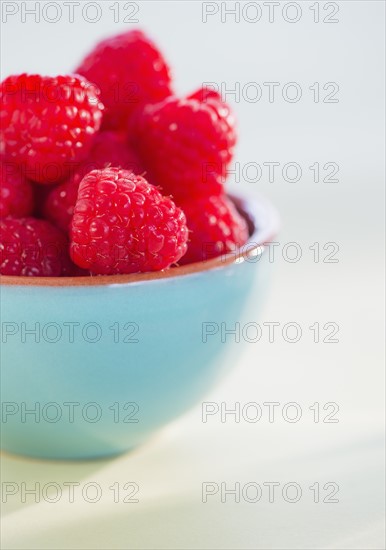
x=130, y=71
x=32, y=248
x=109, y=148
x=215, y=228
x=122, y=224
x=186, y=145
x=16, y=196
x=47, y=122
x=59, y=204
x=205, y=94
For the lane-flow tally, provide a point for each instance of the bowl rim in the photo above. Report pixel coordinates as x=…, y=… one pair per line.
x=259, y=212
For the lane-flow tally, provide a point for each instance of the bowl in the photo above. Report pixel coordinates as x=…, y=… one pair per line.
x=93, y=366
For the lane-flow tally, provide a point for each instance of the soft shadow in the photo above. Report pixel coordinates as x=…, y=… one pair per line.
x=29, y=471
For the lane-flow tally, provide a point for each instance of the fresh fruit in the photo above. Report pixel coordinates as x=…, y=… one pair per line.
x=58, y=206
x=186, y=145
x=16, y=195
x=109, y=148
x=48, y=122
x=122, y=224
x=33, y=248
x=93, y=137
x=205, y=95
x=130, y=71
x=215, y=228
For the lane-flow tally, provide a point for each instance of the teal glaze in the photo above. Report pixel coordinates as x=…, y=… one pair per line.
x=165, y=372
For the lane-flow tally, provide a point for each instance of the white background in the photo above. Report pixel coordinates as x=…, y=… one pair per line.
x=170, y=469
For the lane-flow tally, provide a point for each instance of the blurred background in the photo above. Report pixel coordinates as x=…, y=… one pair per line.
x=306, y=81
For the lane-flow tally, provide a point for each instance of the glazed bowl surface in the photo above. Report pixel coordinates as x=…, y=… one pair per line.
x=93, y=366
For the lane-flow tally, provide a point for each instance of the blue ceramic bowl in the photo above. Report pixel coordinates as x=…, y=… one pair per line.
x=92, y=367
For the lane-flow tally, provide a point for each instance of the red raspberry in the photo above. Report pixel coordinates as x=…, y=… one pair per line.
x=16, y=196
x=47, y=122
x=59, y=204
x=109, y=148
x=206, y=95
x=32, y=248
x=215, y=228
x=186, y=145
x=130, y=71
x=122, y=224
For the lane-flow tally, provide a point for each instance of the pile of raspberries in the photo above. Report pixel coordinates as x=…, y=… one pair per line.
x=106, y=171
